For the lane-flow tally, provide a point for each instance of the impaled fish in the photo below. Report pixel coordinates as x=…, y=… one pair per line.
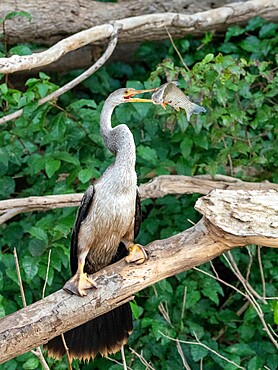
x=170, y=94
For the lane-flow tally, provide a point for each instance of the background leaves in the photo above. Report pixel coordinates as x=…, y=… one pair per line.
x=56, y=149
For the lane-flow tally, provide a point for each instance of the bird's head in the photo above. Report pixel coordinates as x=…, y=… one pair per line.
x=126, y=95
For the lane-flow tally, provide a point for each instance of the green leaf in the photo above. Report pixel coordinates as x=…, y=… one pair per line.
x=38, y=233
x=208, y=58
x=136, y=310
x=275, y=307
x=241, y=349
x=85, y=175
x=147, y=153
x=268, y=30
x=18, y=14
x=7, y=186
x=31, y=364
x=198, y=352
x=30, y=268
x=52, y=166
x=37, y=247
x=233, y=31
x=186, y=146
x=2, y=311
x=20, y=50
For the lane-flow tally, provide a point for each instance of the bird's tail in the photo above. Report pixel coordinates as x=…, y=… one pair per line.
x=194, y=109
x=105, y=335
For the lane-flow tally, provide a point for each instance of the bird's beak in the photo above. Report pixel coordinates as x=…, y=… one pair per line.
x=130, y=94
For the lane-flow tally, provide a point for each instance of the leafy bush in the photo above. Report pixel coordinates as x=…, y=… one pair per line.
x=57, y=148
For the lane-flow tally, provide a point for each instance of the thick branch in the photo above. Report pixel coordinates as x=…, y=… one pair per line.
x=157, y=188
x=59, y=312
x=144, y=27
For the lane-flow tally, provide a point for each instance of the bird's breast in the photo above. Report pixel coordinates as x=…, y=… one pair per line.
x=110, y=217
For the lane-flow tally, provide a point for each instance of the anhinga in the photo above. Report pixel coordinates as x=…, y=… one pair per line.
x=107, y=222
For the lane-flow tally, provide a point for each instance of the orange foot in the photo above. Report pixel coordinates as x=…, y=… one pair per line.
x=79, y=283
x=136, y=254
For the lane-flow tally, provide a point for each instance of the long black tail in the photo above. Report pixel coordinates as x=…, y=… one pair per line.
x=105, y=335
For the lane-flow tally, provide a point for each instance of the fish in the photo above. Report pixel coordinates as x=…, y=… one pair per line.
x=169, y=93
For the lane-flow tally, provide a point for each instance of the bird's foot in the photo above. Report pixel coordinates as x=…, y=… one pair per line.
x=79, y=283
x=136, y=254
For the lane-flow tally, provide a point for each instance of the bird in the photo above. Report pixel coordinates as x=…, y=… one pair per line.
x=107, y=222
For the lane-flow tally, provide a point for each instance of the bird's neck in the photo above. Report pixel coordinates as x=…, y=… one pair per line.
x=118, y=140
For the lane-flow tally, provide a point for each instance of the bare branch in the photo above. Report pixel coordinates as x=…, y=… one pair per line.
x=110, y=48
x=156, y=188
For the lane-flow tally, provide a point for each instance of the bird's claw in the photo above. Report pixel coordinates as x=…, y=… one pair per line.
x=137, y=254
x=79, y=283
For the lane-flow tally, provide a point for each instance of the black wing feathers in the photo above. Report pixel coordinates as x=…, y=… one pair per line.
x=138, y=215
x=81, y=215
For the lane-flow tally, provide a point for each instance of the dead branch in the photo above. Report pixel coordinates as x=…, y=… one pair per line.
x=133, y=29
x=230, y=218
x=70, y=85
x=156, y=188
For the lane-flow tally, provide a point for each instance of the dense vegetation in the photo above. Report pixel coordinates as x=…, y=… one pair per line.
x=57, y=149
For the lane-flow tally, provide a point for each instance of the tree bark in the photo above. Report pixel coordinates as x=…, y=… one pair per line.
x=158, y=187
x=140, y=28
x=52, y=20
x=230, y=218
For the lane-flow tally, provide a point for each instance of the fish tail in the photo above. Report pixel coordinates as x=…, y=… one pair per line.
x=194, y=109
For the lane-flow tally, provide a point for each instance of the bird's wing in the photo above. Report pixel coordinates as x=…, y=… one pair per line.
x=81, y=215
x=122, y=251
x=138, y=215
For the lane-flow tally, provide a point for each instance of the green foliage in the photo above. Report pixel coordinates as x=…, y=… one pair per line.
x=57, y=148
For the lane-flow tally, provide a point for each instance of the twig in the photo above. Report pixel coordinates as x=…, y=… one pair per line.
x=47, y=272
x=180, y=351
x=251, y=298
x=123, y=358
x=99, y=63
x=19, y=279
x=229, y=157
x=183, y=303
x=176, y=49
x=221, y=281
x=142, y=359
x=261, y=270
x=241, y=278
x=163, y=310
x=117, y=362
x=38, y=351
x=202, y=345
x=67, y=351
x=249, y=264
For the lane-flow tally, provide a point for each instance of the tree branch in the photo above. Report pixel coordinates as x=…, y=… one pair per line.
x=158, y=187
x=222, y=228
x=99, y=63
x=140, y=28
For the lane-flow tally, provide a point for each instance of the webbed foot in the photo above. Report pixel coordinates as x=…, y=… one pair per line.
x=136, y=254
x=79, y=283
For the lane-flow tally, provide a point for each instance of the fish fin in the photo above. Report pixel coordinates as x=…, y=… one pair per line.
x=188, y=115
x=177, y=109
